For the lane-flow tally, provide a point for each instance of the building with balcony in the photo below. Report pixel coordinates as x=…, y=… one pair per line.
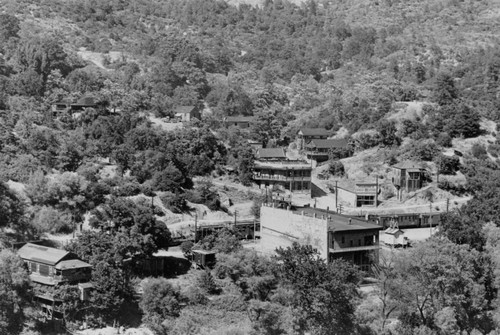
x=356, y=193
x=319, y=150
x=49, y=268
x=335, y=236
x=306, y=135
x=291, y=175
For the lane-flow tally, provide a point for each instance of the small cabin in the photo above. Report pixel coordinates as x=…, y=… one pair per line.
x=393, y=236
x=203, y=258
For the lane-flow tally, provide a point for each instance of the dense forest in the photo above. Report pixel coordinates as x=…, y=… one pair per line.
x=340, y=64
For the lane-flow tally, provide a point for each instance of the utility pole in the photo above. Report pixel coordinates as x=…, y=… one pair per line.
x=254, y=228
x=235, y=214
x=336, y=194
x=430, y=218
x=447, y=204
x=195, y=226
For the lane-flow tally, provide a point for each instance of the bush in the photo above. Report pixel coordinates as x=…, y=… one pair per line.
x=444, y=140
x=420, y=151
x=206, y=282
x=195, y=296
x=128, y=189
x=336, y=168
x=479, y=151
x=494, y=150
x=447, y=164
x=175, y=202
x=186, y=248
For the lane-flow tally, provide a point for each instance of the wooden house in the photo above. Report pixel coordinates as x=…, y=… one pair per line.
x=238, y=121
x=306, y=135
x=186, y=113
x=319, y=149
x=50, y=267
x=407, y=176
x=394, y=236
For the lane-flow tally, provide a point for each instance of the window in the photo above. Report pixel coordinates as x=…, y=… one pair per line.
x=343, y=239
x=359, y=243
x=44, y=270
x=351, y=243
x=33, y=267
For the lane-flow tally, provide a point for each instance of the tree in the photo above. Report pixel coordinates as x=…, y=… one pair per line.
x=324, y=293
x=445, y=91
x=437, y=274
x=336, y=168
x=447, y=164
x=11, y=208
x=461, y=120
x=14, y=292
x=159, y=302
x=388, y=133
x=461, y=229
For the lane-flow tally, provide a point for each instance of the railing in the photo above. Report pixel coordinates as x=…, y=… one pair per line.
x=279, y=177
x=351, y=249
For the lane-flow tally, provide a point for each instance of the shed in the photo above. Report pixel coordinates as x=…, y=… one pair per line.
x=394, y=236
x=204, y=258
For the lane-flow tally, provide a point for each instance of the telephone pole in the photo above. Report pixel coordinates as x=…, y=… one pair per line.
x=195, y=226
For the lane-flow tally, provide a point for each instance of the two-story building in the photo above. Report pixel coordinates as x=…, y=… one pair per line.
x=291, y=175
x=319, y=150
x=306, y=135
x=50, y=267
x=407, y=176
x=335, y=236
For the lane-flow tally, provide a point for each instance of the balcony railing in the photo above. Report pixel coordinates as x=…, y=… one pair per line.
x=351, y=249
x=262, y=176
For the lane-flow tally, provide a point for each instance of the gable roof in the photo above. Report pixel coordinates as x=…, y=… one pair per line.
x=183, y=109
x=408, y=165
x=72, y=264
x=314, y=132
x=333, y=143
x=239, y=119
x=267, y=153
x=41, y=254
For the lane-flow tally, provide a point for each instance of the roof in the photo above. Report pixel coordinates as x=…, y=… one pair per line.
x=314, y=132
x=204, y=252
x=41, y=254
x=183, y=109
x=85, y=101
x=63, y=102
x=271, y=153
x=339, y=222
x=283, y=164
x=393, y=231
x=72, y=264
x=408, y=165
x=334, y=143
x=239, y=119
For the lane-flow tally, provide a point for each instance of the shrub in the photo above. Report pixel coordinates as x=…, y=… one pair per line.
x=494, y=149
x=127, y=190
x=195, y=296
x=420, y=151
x=336, y=168
x=175, y=202
x=444, y=140
x=186, y=248
x=447, y=164
x=479, y=151
x=206, y=282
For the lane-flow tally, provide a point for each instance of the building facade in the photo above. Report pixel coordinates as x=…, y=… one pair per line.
x=320, y=149
x=49, y=268
x=305, y=135
x=334, y=236
x=242, y=122
x=291, y=175
x=407, y=176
